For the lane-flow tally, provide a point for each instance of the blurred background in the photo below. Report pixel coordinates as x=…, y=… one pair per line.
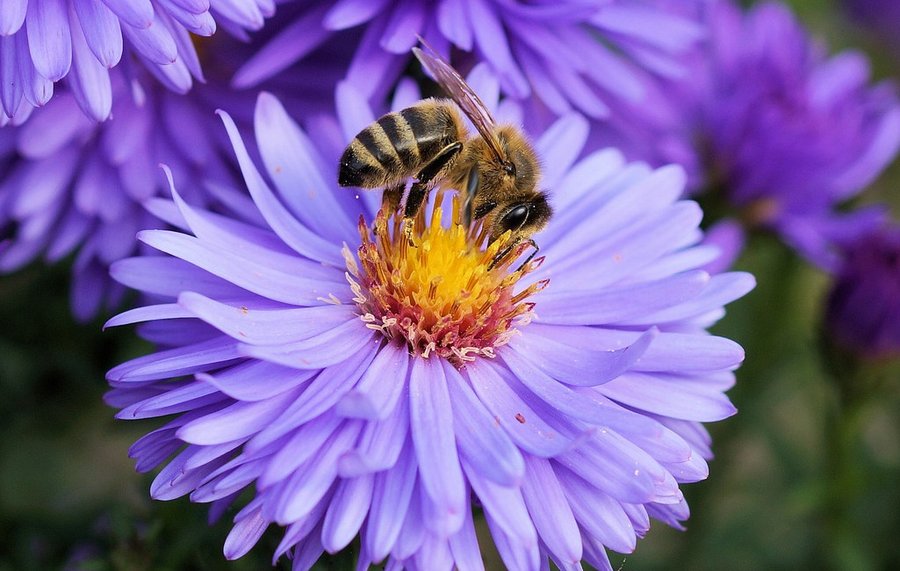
x=803, y=477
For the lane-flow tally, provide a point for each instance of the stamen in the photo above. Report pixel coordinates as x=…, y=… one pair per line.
x=443, y=291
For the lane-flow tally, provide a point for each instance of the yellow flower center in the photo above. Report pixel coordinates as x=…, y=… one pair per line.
x=440, y=289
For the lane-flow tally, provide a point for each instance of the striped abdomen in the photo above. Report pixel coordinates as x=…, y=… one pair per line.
x=399, y=144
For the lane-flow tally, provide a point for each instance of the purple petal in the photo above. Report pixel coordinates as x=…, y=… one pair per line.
x=306, y=487
x=464, y=546
x=168, y=277
x=403, y=26
x=244, y=535
x=526, y=428
x=246, y=14
x=515, y=554
x=335, y=346
x=291, y=163
x=239, y=420
x=176, y=399
x=249, y=274
x=294, y=233
x=173, y=481
x=89, y=79
x=266, y=326
x=557, y=159
x=599, y=515
x=393, y=491
x=491, y=39
x=11, y=90
x=290, y=45
x=378, y=391
x=688, y=398
x=453, y=22
x=481, y=440
x=722, y=290
x=433, y=435
x=37, y=89
x=154, y=41
x=12, y=16
x=47, y=132
x=612, y=471
x=347, y=511
x=624, y=304
x=175, y=362
x=147, y=313
x=101, y=30
x=380, y=444
x=297, y=450
x=256, y=380
x=49, y=38
x=550, y=511
x=412, y=533
x=135, y=13
x=349, y=13
x=579, y=365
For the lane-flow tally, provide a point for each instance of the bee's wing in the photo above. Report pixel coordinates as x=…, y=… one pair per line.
x=460, y=92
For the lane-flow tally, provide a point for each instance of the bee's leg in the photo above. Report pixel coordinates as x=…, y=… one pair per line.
x=420, y=188
x=471, y=187
x=390, y=199
x=505, y=251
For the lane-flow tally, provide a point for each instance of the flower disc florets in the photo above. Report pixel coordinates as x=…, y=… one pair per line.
x=441, y=289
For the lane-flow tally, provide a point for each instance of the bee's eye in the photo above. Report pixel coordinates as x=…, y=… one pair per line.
x=516, y=218
x=510, y=168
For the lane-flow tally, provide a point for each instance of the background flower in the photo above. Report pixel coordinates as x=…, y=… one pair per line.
x=44, y=41
x=774, y=127
x=545, y=53
x=863, y=309
x=298, y=393
x=70, y=184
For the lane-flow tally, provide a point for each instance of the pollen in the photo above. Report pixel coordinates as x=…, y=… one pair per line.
x=441, y=288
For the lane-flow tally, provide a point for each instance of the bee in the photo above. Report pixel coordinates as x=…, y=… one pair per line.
x=497, y=170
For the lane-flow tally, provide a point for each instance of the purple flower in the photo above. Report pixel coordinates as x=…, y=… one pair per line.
x=784, y=132
x=863, y=308
x=879, y=16
x=70, y=184
x=565, y=55
x=369, y=381
x=44, y=41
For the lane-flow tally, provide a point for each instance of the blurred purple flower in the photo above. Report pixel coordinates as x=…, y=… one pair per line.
x=44, y=41
x=349, y=415
x=68, y=183
x=573, y=54
x=863, y=309
x=782, y=131
x=879, y=16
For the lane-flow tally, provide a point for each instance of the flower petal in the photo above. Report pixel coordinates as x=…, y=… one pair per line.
x=482, y=441
x=576, y=364
x=49, y=38
x=431, y=423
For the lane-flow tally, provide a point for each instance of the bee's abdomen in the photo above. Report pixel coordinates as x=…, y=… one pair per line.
x=397, y=146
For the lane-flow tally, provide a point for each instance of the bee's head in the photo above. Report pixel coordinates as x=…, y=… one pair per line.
x=521, y=219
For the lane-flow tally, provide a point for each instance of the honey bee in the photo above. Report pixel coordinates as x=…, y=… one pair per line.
x=497, y=170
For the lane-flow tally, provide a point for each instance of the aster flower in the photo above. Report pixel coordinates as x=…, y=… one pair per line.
x=369, y=380
x=564, y=55
x=879, y=16
x=70, y=184
x=863, y=308
x=44, y=41
x=783, y=132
